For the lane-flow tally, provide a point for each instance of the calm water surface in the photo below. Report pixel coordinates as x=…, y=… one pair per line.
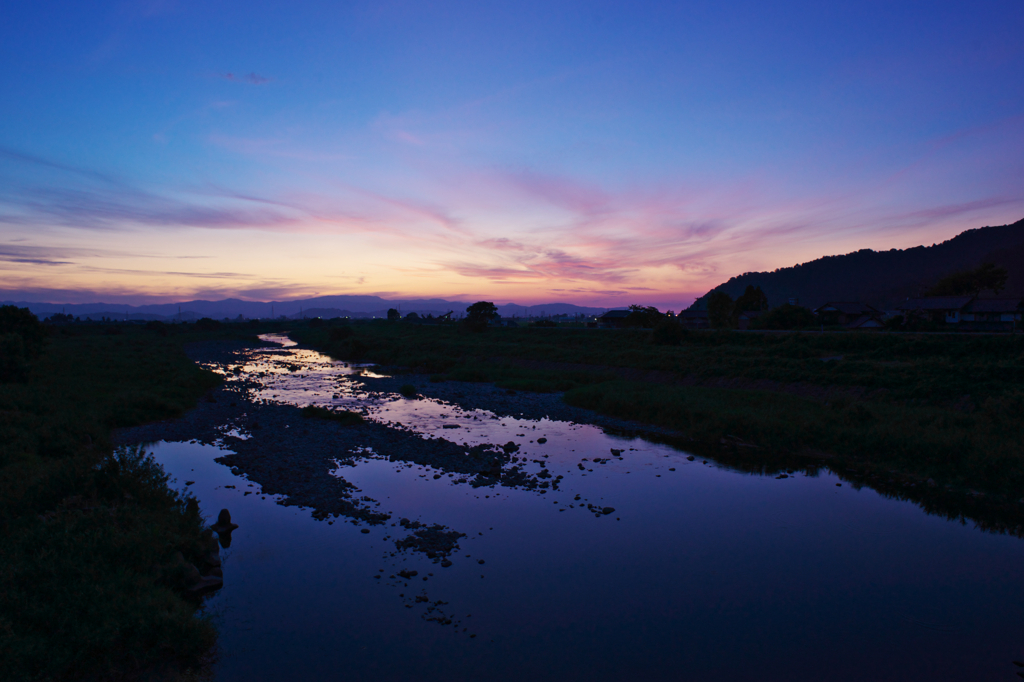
x=701, y=573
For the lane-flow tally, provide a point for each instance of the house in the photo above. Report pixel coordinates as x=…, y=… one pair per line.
x=694, y=319
x=866, y=322
x=936, y=308
x=992, y=314
x=745, y=318
x=614, y=319
x=847, y=313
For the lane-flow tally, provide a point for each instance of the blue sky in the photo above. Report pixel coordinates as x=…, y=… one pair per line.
x=600, y=153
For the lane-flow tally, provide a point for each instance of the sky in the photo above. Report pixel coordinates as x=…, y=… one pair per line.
x=599, y=153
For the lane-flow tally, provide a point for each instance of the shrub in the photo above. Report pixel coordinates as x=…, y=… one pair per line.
x=787, y=317
x=13, y=364
x=668, y=332
x=22, y=322
x=340, y=334
x=408, y=390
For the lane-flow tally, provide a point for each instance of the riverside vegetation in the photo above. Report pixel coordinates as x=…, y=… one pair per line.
x=91, y=582
x=941, y=410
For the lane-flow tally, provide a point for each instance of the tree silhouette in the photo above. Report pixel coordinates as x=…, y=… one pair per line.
x=479, y=315
x=21, y=321
x=987, y=277
x=642, y=316
x=752, y=300
x=720, y=310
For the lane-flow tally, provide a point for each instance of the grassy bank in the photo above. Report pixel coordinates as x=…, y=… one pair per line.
x=91, y=586
x=950, y=408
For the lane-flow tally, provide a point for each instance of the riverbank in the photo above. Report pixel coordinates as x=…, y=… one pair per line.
x=94, y=580
x=942, y=411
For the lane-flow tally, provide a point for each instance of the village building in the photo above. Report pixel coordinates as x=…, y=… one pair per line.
x=936, y=308
x=968, y=312
x=614, y=319
x=694, y=319
x=745, y=318
x=866, y=322
x=992, y=314
x=848, y=314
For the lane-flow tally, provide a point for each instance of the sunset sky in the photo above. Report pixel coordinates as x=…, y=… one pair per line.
x=589, y=152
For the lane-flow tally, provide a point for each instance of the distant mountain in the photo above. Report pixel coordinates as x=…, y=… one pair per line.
x=321, y=306
x=883, y=278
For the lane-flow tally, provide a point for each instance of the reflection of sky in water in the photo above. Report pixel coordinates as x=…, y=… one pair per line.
x=701, y=573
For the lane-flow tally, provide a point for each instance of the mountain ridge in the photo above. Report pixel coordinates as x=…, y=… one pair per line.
x=343, y=305
x=884, y=278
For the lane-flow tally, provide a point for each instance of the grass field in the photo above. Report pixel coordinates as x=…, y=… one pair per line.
x=89, y=583
x=943, y=407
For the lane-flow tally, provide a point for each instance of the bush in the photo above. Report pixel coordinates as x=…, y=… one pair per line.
x=408, y=390
x=787, y=317
x=340, y=334
x=13, y=364
x=22, y=322
x=668, y=332
x=158, y=327
x=207, y=324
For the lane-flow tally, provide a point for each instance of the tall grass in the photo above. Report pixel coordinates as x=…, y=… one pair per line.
x=91, y=586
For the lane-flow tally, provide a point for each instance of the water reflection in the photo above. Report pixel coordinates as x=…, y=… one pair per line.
x=443, y=570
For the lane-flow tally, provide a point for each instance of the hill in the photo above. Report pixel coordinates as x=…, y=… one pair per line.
x=884, y=278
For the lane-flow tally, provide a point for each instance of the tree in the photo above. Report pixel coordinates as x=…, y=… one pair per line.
x=482, y=310
x=21, y=321
x=393, y=314
x=720, y=310
x=787, y=317
x=987, y=277
x=752, y=300
x=479, y=315
x=641, y=316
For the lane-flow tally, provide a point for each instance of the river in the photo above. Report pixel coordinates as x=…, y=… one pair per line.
x=577, y=562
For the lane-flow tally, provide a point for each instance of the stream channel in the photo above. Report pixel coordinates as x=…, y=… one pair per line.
x=444, y=540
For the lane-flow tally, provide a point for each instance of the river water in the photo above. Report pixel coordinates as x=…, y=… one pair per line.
x=700, y=572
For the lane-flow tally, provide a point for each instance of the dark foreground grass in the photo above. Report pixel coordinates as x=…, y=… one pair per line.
x=91, y=581
x=946, y=407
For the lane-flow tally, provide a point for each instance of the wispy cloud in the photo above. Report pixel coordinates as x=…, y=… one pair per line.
x=250, y=78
